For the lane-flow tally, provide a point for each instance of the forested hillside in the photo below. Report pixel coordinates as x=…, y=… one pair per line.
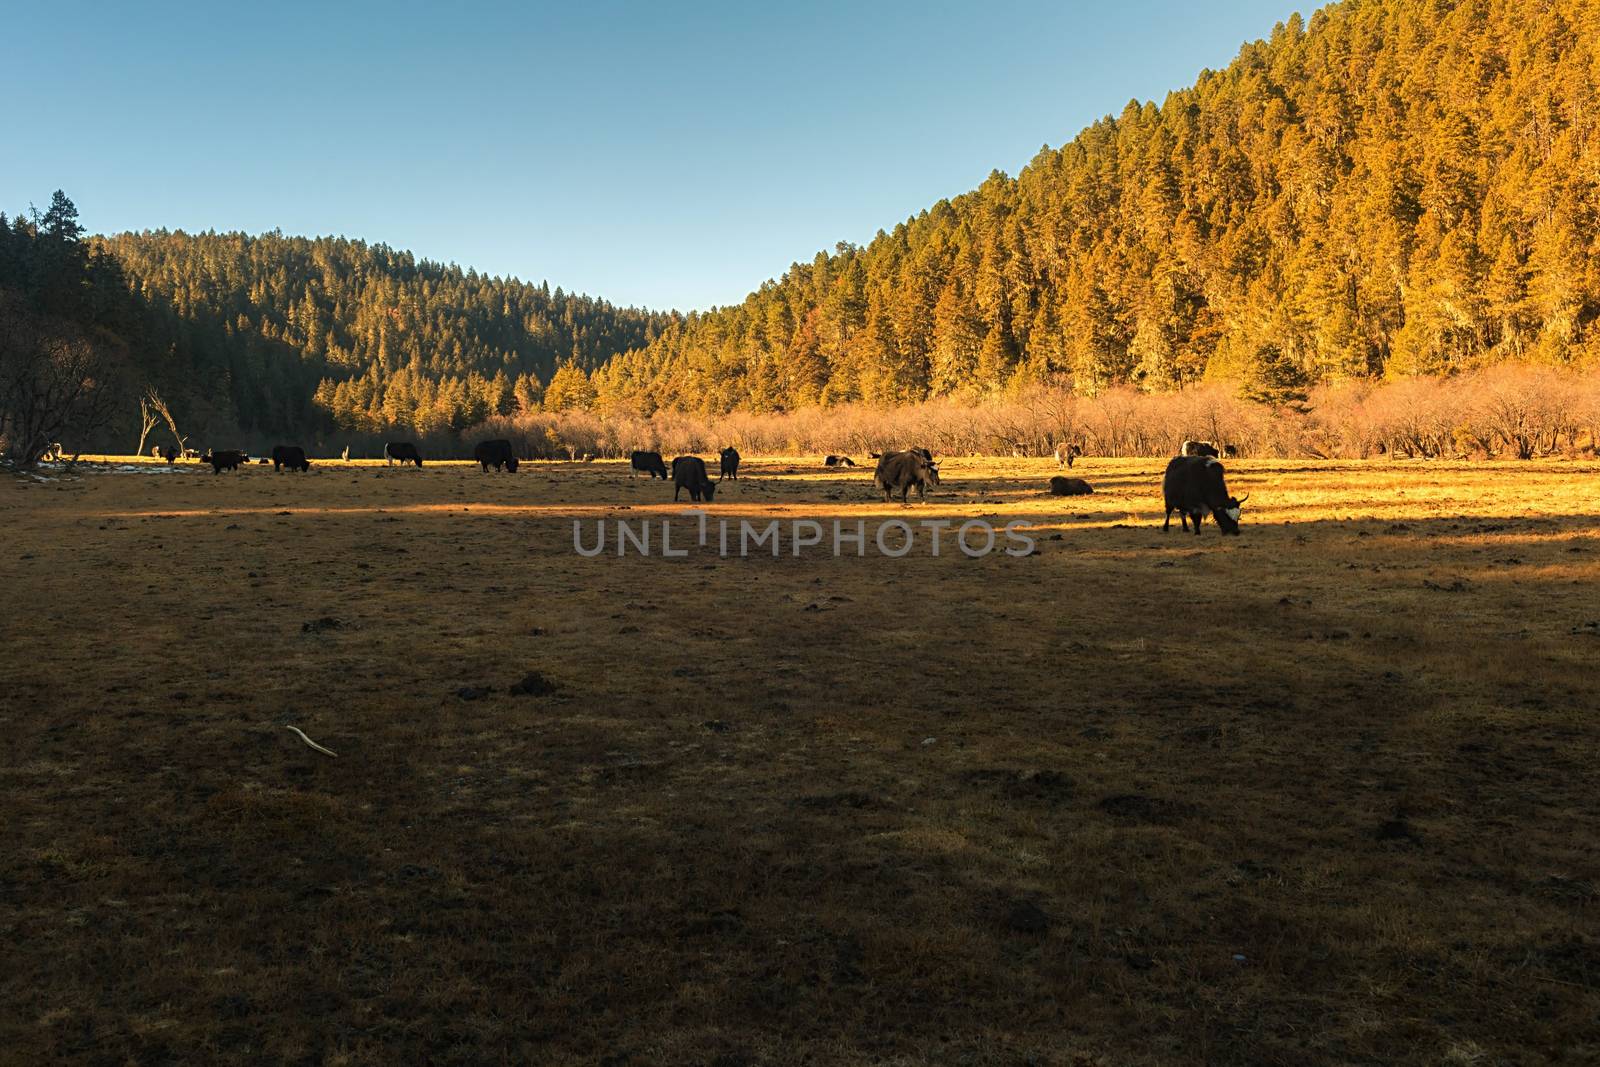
x=270, y=337
x=1401, y=187
x=289, y=330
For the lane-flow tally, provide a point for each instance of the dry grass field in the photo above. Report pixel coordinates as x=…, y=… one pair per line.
x=1323, y=793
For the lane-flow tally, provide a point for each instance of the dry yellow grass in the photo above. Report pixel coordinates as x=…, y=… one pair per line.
x=1324, y=793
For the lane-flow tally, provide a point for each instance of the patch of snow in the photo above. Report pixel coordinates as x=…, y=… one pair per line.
x=141, y=468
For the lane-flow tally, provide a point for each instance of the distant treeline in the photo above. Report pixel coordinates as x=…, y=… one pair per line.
x=302, y=336
x=252, y=339
x=82, y=353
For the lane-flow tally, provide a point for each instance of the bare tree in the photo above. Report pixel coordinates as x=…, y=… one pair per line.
x=1057, y=404
x=147, y=422
x=1527, y=408
x=1011, y=429
x=55, y=383
x=159, y=406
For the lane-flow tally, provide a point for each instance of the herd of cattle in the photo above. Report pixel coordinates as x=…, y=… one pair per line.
x=1194, y=485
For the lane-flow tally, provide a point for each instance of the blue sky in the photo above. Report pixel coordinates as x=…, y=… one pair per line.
x=653, y=154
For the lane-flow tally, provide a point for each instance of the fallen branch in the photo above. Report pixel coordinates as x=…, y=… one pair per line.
x=313, y=744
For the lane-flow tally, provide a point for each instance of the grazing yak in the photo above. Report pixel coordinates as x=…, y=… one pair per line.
x=689, y=472
x=1060, y=486
x=226, y=459
x=1194, y=487
x=1230, y=451
x=291, y=456
x=496, y=454
x=1065, y=454
x=169, y=454
x=1198, y=448
x=730, y=464
x=838, y=461
x=900, y=472
x=650, y=463
x=402, y=451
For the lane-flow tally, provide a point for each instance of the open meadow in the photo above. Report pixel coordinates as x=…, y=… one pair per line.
x=1327, y=792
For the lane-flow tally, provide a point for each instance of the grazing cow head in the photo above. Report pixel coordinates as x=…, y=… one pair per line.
x=511, y=464
x=1228, y=516
x=933, y=473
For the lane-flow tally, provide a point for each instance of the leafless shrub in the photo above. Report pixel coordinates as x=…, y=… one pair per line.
x=1525, y=410
x=1507, y=409
x=1341, y=422
x=1413, y=417
x=1586, y=413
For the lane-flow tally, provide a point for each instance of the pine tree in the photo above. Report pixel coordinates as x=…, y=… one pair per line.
x=996, y=360
x=1506, y=295
x=60, y=220
x=569, y=389
x=957, y=342
x=1275, y=377
x=805, y=366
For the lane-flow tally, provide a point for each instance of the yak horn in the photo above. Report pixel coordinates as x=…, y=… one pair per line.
x=1244, y=498
x=313, y=744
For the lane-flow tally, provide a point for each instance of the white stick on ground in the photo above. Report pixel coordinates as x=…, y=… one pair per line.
x=313, y=744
